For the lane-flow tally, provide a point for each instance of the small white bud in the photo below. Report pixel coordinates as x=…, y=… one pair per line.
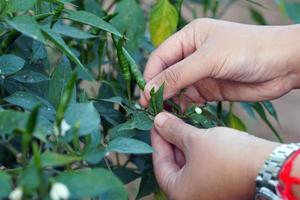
x=107, y=154
x=59, y=191
x=198, y=110
x=16, y=194
x=64, y=127
x=137, y=106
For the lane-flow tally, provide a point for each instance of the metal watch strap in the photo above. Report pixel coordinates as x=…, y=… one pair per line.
x=267, y=179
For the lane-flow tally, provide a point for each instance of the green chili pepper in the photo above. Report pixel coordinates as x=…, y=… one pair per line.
x=135, y=71
x=124, y=64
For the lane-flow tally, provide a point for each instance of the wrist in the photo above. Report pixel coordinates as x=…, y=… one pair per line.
x=262, y=150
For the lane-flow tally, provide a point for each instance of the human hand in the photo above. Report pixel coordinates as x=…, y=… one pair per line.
x=211, y=164
x=219, y=60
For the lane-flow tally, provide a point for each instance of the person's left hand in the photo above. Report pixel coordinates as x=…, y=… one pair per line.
x=212, y=164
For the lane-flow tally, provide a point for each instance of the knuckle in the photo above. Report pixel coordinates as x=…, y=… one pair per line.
x=202, y=21
x=157, y=57
x=187, y=139
x=171, y=77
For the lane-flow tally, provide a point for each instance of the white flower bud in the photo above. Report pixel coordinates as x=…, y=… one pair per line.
x=16, y=194
x=198, y=110
x=59, y=191
x=107, y=154
x=64, y=127
x=137, y=106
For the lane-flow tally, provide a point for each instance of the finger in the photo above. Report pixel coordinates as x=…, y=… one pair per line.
x=174, y=130
x=219, y=90
x=192, y=93
x=180, y=75
x=179, y=157
x=164, y=163
x=174, y=49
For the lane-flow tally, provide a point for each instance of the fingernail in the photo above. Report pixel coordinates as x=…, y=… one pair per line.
x=160, y=119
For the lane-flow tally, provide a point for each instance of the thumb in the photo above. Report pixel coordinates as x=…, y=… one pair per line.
x=174, y=130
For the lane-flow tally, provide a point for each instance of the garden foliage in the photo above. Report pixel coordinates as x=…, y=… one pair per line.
x=70, y=74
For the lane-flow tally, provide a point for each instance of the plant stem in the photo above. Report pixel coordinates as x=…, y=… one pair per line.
x=126, y=163
x=101, y=48
x=219, y=110
x=111, y=5
x=118, y=159
x=25, y=147
x=12, y=36
x=11, y=148
x=107, y=164
x=129, y=92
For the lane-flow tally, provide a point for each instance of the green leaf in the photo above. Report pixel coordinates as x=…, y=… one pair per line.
x=148, y=185
x=28, y=26
x=142, y=121
x=293, y=11
x=19, y=120
x=92, y=20
x=9, y=117
x=52, y=159
x=83, y=115
x=28, y=101
x=71, y=31
x=157, y=101
x=163, y=21
x=126, y=175
x=93, y=183
x=129, y=125
x=29, y=76
x=270, y=108
x=129, y=145
x=117, y=100
x=58, y=82
x=130, y=19
x=94, y=155
x=39, y=51
x=32, y=120
x=160, y=196
x=66, y=98
x=4, y=7
x=10, y=64
x=17, y=6
x=5, y=182
x=202, y=120
x=257, y=16
x=260, y=111
x=60, y=43
x=121, y=131
x=29, y=178
x=235, y=122
x=94, y=7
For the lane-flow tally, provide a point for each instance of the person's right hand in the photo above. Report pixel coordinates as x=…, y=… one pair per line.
x=218, y=60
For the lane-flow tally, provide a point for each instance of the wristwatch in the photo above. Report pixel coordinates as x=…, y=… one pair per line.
x=267, y=180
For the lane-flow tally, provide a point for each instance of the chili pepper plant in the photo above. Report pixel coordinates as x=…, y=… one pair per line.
x=70, y=75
